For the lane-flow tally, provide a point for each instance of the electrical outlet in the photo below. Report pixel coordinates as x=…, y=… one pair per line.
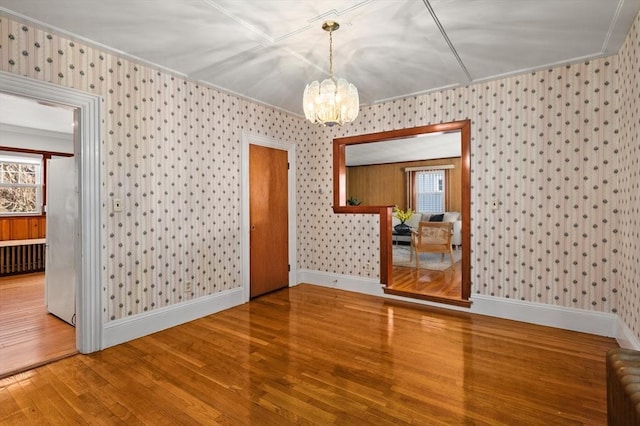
x=117, y=205
x=188, y=286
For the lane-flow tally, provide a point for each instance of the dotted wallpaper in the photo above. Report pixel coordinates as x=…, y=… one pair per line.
x=171, y=153
x=546, y=145
x=542, y=147
x=628, y=206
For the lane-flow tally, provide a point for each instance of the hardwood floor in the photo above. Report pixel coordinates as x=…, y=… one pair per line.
x=313, y=355
x=29, y=335
x=437, y=286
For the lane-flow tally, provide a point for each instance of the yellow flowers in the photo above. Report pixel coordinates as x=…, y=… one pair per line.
x=402, y=215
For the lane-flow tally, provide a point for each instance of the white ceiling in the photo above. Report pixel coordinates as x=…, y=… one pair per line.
x=268, y=50
x=421, y=147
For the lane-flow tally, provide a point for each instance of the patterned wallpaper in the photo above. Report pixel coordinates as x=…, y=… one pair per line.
x=544, y=145
x=628, y=203
x=171, y=153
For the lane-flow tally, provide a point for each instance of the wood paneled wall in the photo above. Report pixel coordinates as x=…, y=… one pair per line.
x=385, y=184
x=22, y=228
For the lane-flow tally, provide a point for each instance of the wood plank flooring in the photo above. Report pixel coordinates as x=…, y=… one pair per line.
x=313, y=355
x=437, y=286
x=29, y=335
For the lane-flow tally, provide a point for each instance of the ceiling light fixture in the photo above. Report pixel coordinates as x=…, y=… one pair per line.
x=331, y=102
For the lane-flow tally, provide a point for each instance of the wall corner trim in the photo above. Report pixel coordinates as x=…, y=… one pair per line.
x=125, y=329
x=625, y=337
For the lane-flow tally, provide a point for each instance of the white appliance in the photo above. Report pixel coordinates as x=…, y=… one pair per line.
x=62, y=217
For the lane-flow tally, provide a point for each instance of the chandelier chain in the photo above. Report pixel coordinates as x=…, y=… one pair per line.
x=331, y=55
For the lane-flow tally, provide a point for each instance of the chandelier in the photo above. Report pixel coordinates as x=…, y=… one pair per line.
x=331, y=102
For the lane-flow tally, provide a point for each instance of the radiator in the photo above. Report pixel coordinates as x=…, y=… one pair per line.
x=623, y=387
x=22, y=256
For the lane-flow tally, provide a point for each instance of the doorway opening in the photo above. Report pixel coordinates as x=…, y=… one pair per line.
x=88, y=253
x=38, y=211
x=431, y=143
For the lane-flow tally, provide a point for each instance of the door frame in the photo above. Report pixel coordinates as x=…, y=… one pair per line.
x=290, y=148
x=88, y=257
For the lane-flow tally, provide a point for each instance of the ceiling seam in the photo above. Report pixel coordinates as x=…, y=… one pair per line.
x=335, y=12
x=446, y=38
x=271, y=39
x=612, y=26
x=246, y=25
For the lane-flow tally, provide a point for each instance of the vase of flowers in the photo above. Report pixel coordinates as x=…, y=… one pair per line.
x=402, y=215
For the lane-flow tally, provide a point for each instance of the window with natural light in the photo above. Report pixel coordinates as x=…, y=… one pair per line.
x=20, y=185
x=430, y=191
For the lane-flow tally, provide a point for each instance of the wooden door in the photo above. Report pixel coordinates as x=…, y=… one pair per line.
x=268, y=219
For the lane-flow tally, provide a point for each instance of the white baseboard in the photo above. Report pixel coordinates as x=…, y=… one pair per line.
x=626, y=338
x=598, y=323
x=125, y=329
x=592, y=322
x=341, y=282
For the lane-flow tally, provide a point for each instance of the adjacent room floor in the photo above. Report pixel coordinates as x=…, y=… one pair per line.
x=29, y=335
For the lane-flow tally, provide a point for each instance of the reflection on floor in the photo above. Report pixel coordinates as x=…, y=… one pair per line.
x=29, y=335
x=315, y=355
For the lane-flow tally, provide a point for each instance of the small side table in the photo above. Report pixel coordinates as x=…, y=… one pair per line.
x=395, y=235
